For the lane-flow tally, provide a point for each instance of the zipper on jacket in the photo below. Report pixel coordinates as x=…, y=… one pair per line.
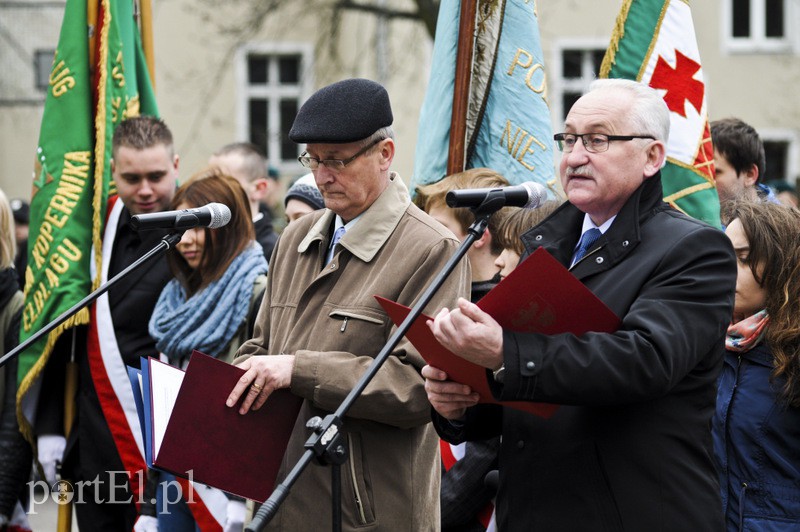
x=344, y=325
x=741, y=505
x=589, y=254
x=359, y=504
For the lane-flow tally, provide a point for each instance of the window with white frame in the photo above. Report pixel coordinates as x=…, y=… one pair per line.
x=759, y=25
x=274, y=82
x=575, y=69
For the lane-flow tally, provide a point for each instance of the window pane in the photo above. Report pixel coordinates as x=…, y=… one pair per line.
x=741, y=18
x=568, y=99
x=288, y=112
x=597, y=60
x=257, y=71
x=259, y=118
x=777, y=153
x=42, y=63
x=775, y=18
x=289, y=69
x=572, y=63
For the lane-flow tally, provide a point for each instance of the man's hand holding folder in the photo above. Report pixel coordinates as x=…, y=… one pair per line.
x=539, y=296
x=191, y=432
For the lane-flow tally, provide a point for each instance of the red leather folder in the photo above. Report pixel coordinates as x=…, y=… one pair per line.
x=539, y=296
x=236, y=453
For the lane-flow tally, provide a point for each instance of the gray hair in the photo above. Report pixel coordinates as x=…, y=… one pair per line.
x=648, y=115
x=383, y=133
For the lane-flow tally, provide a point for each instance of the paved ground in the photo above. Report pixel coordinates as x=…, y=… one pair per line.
x=43, y=516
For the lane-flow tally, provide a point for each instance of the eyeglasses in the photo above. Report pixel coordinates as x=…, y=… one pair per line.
x=593, y=142
x=333, y=164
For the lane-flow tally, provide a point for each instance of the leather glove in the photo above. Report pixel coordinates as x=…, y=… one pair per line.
x=51, y=450
x=146, y=523
x=234, y=519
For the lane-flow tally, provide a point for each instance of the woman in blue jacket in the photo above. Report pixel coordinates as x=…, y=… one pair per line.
x=756, y=427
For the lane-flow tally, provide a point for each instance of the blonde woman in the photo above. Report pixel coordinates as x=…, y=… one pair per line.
x=15, y=454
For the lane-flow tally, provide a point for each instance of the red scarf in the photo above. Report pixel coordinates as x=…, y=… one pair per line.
x=748, y=333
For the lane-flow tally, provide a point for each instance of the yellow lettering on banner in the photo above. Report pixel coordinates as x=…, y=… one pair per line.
x=27, y=317
x=507, y=137
x=517, y=57
x=50, y=216
x=61, y=79
x=59, y=264
x=42, y=244
x=529, y=78
x=62, y=204
x=514, y=144
x=83, y=157
x=75, y=174
x=525, y=151
x=69, y=191
x=524, y=60
x=52, y=278
x=40, y=297
x=70, y=250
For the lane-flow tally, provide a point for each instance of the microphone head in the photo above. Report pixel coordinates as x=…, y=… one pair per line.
x=537, y=194
x=220, y=215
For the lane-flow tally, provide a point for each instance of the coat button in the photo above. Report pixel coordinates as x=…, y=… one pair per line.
x=538, y=237
x=599, y=260
x=333, y=266
x=530, y=365
x=625, y=243
x=521, y=444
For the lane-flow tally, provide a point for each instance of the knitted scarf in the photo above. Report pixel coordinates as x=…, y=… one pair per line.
x=748, y=333
x=209, y=319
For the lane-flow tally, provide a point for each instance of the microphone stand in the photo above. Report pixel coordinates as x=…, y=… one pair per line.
x=326, y=443
x=166, y=243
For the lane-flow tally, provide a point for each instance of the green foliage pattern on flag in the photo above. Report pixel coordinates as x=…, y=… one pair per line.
x=84, y=102
x=654, y=42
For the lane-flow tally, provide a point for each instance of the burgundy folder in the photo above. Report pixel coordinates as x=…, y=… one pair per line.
x=236, y=453
x=539, y=296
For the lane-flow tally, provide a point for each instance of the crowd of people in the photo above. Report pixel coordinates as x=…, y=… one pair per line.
x=684, y=418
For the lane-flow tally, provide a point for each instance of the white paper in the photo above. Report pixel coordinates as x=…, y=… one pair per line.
x=165, y=382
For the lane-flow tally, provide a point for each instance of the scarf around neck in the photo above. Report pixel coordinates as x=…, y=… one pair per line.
x=748, y=333
x=209, y=319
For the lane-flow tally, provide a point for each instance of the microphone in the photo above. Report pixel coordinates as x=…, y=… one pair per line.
x=213, y=215
x=528, y=195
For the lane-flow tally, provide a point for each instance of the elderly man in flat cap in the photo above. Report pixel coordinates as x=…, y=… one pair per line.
x=320, y=326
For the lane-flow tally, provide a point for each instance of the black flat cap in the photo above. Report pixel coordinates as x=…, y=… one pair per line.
x=346, y=111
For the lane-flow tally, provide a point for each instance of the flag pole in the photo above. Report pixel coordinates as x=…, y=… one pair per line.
x=146, y=21
x=463, y=78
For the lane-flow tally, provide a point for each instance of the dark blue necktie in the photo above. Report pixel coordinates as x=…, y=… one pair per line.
x=587, y=240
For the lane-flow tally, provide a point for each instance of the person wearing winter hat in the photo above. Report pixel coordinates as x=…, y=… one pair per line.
x=302, y=198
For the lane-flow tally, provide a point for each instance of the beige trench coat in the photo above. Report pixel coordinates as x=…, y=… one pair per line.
x=328, y=318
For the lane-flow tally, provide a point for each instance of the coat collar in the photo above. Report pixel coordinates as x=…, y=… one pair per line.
x=373, y=228
x=560, y=232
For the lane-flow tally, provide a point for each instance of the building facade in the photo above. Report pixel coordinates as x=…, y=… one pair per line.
x=237, y=71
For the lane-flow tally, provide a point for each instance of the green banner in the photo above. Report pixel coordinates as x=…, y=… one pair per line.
x=84, y=103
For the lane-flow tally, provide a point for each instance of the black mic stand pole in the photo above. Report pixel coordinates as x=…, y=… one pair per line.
x=166, y=243
x=326, y=444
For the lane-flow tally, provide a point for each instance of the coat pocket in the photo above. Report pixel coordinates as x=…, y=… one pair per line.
x=361, y=329
x=357, y=491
